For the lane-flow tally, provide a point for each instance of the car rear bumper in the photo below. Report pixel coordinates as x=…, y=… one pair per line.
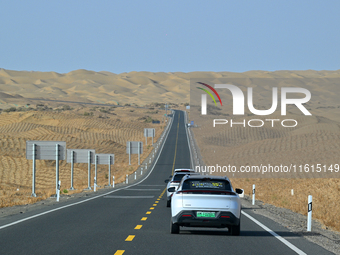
x=190, y=219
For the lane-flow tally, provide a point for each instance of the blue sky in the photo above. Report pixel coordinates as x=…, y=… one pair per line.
x=169, y=36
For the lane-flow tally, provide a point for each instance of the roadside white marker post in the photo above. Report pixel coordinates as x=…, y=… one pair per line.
x=127, y=179
x=292, y=192
x=146, y=166
x=113, y=181
x=141, y=171
x=72, y=162
x=309, y=215
x=94, y=184
x=33, y=171
x=58, y=191
x=135, y=175
x=253, y=203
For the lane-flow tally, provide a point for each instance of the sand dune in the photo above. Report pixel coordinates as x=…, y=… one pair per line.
x=315, y=140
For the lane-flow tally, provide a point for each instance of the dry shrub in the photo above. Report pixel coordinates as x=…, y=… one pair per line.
x=105, y=135
x=277, y=192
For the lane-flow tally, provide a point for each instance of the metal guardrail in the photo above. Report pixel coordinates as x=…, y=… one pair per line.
x=149, y=162
x=195, y=151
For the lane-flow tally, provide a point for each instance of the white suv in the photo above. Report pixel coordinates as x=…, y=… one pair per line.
x=205, y=201
x=175, y=180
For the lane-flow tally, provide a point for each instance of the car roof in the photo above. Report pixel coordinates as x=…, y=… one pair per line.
x=214, y=177
x=184, y=170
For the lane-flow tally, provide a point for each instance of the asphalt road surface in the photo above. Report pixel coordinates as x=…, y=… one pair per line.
x=135, y=220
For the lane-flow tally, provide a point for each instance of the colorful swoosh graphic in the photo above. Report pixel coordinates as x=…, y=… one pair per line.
x=212, y=89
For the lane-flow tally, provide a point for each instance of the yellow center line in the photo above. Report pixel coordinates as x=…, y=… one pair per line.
x=130, y=238
x=158, y=199
x=156, y=202
x=119, y=252
x=144, y=218
x=148, y=212
x=151, y=208
x=138, y=226
x=154, y=205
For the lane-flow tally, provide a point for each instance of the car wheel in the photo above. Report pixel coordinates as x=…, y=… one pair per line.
x=174, y=228
x=235, y=230
x=168, y=203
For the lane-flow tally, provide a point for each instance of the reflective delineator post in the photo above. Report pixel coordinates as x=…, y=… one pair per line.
x=309, y=215
x=33, y=173
x=135, y=175
x=58, y=191
x=94, y=184
x=127, y=179
x=141, y=171
x=113, y=181
x=253, y=203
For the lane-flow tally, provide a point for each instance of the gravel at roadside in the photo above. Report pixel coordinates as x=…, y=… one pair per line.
x=297, y=223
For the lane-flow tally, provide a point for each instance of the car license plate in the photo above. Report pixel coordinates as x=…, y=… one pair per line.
x=205, y=214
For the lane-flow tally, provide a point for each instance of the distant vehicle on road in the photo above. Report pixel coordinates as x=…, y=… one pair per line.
x=205, y=201
x=175, y=180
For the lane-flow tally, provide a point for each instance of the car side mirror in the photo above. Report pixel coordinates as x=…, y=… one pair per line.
x=172, y=189
x=239, y=191
x=166, y=181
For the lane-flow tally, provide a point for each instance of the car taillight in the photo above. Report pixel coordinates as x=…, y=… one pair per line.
x=223, y=216
x=186, y=215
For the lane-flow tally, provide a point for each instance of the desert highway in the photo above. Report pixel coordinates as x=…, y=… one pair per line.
x=134, y=219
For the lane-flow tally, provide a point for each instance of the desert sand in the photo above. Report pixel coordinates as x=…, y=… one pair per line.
x=26, y=115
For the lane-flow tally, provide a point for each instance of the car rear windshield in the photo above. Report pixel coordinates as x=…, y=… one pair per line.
x=206, y=184
x=178, y=177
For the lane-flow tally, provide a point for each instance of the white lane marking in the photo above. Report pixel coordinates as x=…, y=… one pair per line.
x=129, y=196
x=83, y=201
x=293, y=247
x=143, y=189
